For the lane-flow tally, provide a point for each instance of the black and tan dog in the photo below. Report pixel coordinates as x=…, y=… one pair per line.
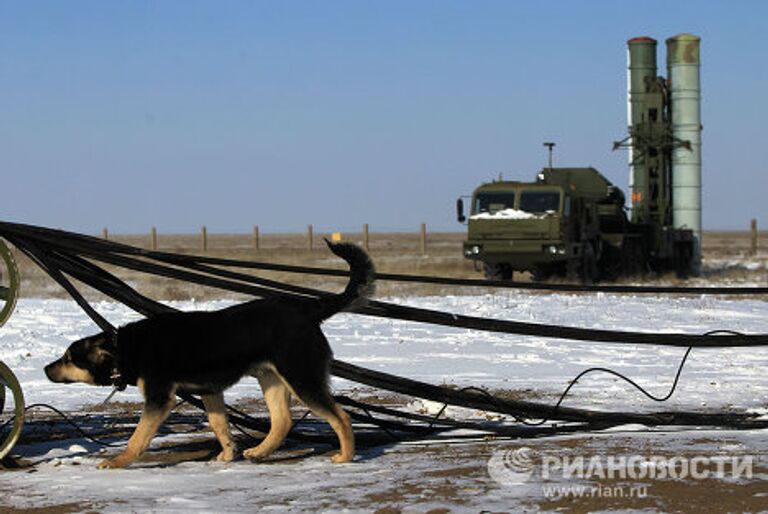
x=278, y=341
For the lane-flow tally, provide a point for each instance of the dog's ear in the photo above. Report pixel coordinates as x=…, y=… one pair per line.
x=101, y=341
x=102, y=354
x=100, y=349
x=103, y=359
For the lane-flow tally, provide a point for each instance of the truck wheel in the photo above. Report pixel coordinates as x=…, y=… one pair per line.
x=610, y=263
x=572, y=270
x=542, y=272
x=589, y=270
x=497, y=271
x=633, y=259
x=583, y=269
x=683, y=255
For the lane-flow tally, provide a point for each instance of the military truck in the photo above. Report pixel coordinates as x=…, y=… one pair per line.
x=572, y=222
x=569, y=222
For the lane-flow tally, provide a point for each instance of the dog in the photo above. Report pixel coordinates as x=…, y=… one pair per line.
x=277, y=340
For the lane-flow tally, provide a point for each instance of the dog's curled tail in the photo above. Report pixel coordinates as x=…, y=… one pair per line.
x=361, y=284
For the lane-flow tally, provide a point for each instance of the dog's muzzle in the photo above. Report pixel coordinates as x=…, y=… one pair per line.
x=53, y=371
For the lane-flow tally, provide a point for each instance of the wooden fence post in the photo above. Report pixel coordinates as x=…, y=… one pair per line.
x=309, y=237
x=256, y=237
x=754, y=236
x=423, y=239
x=204, y=238
x=154, y=238
x=366, y=240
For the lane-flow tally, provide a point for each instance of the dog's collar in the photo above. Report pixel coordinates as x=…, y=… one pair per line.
x=118, y=384
x=117, y=380
x=116, y=376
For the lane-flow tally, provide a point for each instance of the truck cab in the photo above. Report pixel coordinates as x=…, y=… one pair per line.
x=553, y=225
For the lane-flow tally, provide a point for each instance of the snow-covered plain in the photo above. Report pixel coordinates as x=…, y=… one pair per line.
x=65, y=473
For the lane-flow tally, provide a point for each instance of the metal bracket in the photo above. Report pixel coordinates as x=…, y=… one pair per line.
x=9, y=293
x=7, y=379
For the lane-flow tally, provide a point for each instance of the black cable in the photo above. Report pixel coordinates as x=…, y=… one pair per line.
x=296, y=423
x=635, y=384
x=573, y=382
x=243, y=431
x=65, y=418
x=437, y=416
x=376, y=422
x=435, y=419
x=5, y=425
x=58, y=252
x=98, y=250
x=82, y=242
x=592, y=370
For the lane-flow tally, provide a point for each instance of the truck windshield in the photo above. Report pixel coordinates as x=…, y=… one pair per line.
x=493, y=202
x=540, y=201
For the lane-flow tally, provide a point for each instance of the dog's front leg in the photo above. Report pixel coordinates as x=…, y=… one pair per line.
x=217, y=418
x=157, y=406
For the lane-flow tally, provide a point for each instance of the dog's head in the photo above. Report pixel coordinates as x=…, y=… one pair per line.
x=90, y=360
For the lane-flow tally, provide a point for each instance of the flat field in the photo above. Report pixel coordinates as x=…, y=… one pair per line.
x=727, y=259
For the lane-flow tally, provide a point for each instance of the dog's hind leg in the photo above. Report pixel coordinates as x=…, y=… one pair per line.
x=277, y=396
x=313, y=391
x=322, y=405
x=158, y=402
x=217, y=418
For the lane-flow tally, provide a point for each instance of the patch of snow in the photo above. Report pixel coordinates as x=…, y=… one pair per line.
x=65, y=471
x=506, y=214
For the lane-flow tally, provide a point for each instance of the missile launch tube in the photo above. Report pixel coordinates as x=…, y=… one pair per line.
x=685, y=98
x=641, y=67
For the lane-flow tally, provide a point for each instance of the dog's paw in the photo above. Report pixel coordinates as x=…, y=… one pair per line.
x=119, y=461
x=340, y=458
x=112, y=464
x=227, y=455
x=254, y=454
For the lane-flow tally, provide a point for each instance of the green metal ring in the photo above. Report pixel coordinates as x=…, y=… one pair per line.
x=7, y=379
x=11, y=293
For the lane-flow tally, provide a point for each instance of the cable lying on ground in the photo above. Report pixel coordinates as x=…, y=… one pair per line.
x=59, y=247
x=63, y=254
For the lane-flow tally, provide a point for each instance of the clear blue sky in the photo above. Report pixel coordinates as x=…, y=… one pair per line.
x=178, y=114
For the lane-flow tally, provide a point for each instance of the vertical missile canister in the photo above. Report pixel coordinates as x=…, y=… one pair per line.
x=641, y=68
x=685, y=101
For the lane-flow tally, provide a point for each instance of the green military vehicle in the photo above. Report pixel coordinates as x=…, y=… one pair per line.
x=570, y=222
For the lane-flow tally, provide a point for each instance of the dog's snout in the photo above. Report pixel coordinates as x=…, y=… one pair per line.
x=66, y=373
x=53, y=371
x=49, y=370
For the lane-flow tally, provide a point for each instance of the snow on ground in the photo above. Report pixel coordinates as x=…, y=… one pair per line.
x=40, y=330
x=403, y=475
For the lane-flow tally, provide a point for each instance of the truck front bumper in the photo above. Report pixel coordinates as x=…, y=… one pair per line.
x=520, y=254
